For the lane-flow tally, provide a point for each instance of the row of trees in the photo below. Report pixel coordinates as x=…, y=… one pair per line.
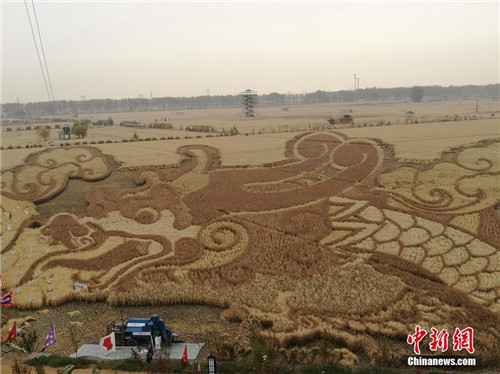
x=273, y=99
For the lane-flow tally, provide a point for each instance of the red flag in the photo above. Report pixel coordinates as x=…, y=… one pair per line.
x=108, y=342
x=12, y=334
x=185, y=354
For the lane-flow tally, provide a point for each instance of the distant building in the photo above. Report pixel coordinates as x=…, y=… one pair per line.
x=99, y=124
x=132, y=124
x=346, y=116
x=65, y=133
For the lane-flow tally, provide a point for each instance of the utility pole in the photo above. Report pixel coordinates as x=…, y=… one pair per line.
x=355, y=99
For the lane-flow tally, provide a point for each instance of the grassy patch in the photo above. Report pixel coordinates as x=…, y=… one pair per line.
x=61, y=361
x=128, y=364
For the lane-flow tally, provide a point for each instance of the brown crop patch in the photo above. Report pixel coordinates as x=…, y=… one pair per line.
x=65, y=230
x=122, y=253
x=225, y=192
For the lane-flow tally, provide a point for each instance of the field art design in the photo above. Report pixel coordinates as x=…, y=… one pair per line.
x=337, y=240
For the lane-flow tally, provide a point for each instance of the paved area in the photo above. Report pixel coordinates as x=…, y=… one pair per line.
x=96, y=352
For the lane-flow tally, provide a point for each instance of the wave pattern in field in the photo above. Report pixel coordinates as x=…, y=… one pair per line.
x=46, y=174
x=468, y=184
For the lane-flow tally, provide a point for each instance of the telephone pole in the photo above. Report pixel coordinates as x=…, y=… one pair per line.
x=355, y=99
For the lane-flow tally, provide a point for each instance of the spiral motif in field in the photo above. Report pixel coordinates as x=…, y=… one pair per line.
x=222, y=235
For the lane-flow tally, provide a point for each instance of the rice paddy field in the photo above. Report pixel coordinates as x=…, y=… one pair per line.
x=331, y=241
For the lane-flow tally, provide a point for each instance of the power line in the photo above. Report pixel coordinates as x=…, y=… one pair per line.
x=38, y=54
x=43, y=51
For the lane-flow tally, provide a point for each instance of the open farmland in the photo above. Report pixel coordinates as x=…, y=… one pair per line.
x=350, y=234
x=305, y=114
x=441, y=125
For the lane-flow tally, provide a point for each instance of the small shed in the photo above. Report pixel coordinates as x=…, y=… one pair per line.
x=65, y=133
x=346, y=116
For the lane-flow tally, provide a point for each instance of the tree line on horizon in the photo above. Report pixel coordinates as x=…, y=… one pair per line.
x=415, y=94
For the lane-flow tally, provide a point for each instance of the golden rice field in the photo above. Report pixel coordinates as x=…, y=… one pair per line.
x=354, y=235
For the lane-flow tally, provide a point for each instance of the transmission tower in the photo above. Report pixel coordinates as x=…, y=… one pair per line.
x=249, y=101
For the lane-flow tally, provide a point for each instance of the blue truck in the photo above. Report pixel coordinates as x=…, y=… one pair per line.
x=142, y=330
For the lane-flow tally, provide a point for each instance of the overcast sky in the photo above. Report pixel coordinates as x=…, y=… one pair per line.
x=125, y=49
